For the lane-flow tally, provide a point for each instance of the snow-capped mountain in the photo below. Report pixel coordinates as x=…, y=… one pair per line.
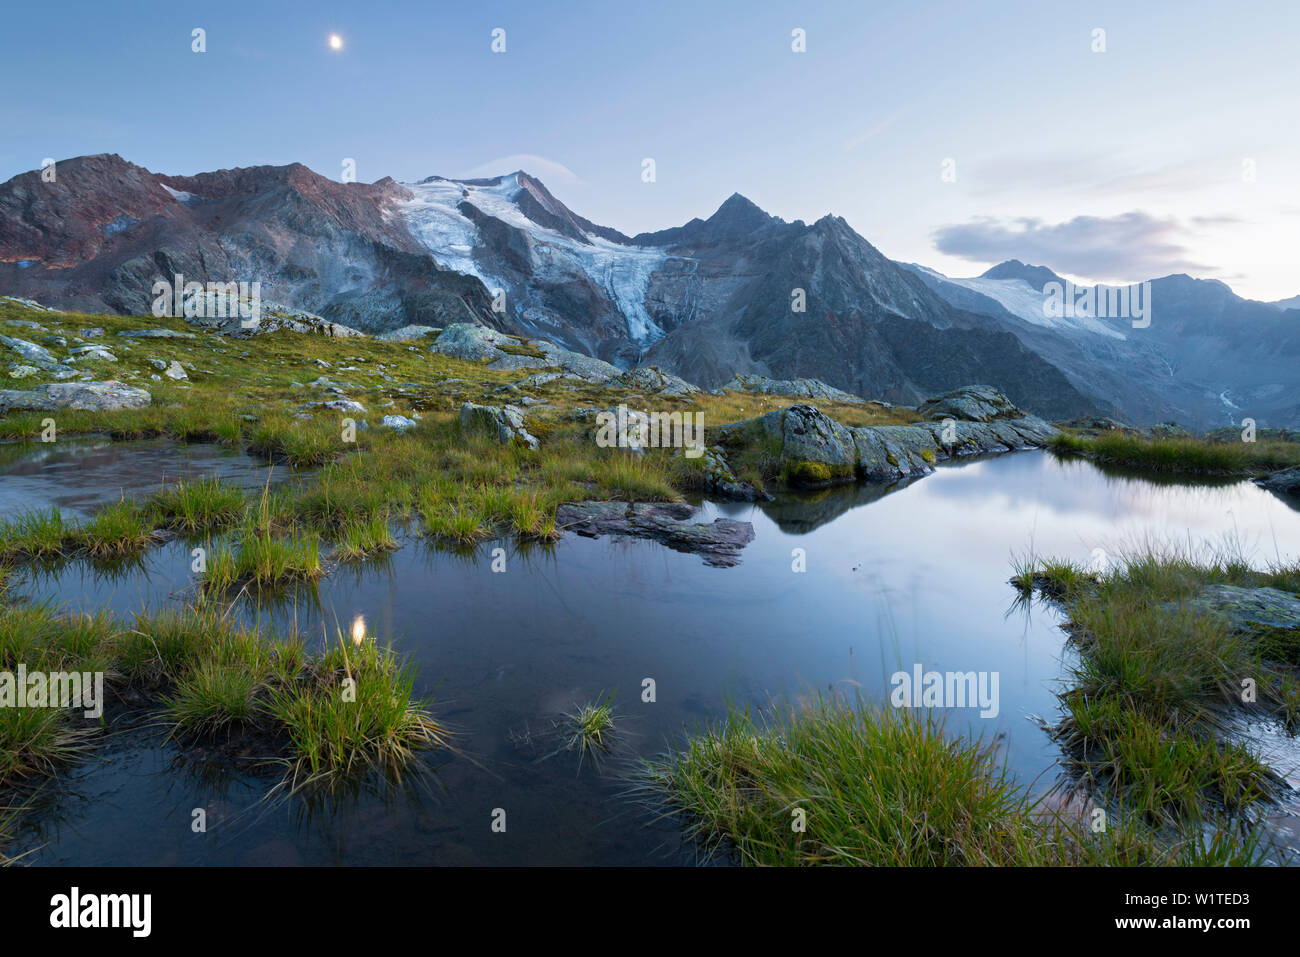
x=1201, y=356
x=739, y=292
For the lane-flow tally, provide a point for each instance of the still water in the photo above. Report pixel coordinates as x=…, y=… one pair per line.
x=894, y=578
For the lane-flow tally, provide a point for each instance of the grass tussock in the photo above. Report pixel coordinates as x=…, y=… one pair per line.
x=834, y=783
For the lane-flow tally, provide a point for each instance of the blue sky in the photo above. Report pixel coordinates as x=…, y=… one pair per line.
x=1118, y=166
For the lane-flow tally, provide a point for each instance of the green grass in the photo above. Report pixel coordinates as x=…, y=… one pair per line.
x=1157, y=680
x=837, y=783
x=265, y=558
x=35, y=535
x=1185, y=455
x=362, y=538
x=198, y=506
x=591, y=729
x=354, y=715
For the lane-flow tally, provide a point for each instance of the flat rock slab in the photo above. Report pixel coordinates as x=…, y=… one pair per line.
x=669, y=523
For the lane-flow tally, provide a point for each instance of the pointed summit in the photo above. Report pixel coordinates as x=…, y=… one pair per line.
x=737, y=216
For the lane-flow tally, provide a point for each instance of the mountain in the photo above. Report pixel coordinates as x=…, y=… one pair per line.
x=1207, y=358
x=706, y=300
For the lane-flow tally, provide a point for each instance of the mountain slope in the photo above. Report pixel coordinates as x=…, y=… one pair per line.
x=1207, y=358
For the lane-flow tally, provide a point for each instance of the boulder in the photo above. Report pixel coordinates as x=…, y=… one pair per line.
x=30, y=352
x=814, y=450
x=505, y=423
x=650, y=379
x=971, y=403
x=408, y=333
x=398, y=423
x=797, y=388
x=464, y=340
x=720, y=481
x=86, y=396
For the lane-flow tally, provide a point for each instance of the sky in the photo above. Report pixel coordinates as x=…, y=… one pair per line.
x=956, y=135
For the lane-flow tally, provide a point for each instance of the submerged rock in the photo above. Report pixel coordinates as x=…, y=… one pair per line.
x=87, y=396
x=719, y=543
x=504, y=423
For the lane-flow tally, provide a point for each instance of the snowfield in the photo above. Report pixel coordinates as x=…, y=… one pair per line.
x=622, y=271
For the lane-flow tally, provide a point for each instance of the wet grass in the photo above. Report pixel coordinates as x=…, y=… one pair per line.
x=198, y=506
x=342, y=711
x=834, y=782
x=1147, y=719
x=353, y=714
x=265, y=558
x=1194, y=456
x=361, y=538
x=591, y=729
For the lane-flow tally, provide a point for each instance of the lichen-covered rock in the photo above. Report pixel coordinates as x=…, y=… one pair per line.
x=889, y=452
x=399, y=423
x=505, y=423
x=650, y=379
x=408, y=333
x=153, y=334
x=719, y=543
x=462, y=340
x=720, y=481
x=1250, y=610
x=797, y=388
x=30, y=352
x=815, y=450
x=85, y=396
x=971, y=403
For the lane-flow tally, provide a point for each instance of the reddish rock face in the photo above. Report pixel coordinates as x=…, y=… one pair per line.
x=105, y=230
x=66, y=222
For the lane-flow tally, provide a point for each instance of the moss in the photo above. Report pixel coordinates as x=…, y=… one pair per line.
x=928, y=455
x=808, y=473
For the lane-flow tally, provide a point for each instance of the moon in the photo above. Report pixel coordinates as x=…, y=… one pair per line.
x=336, y=42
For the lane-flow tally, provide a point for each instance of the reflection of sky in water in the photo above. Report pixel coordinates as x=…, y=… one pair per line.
x=917, y=575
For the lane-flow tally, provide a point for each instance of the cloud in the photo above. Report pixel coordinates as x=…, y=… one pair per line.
x=547, y=170
x=1125, y=248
